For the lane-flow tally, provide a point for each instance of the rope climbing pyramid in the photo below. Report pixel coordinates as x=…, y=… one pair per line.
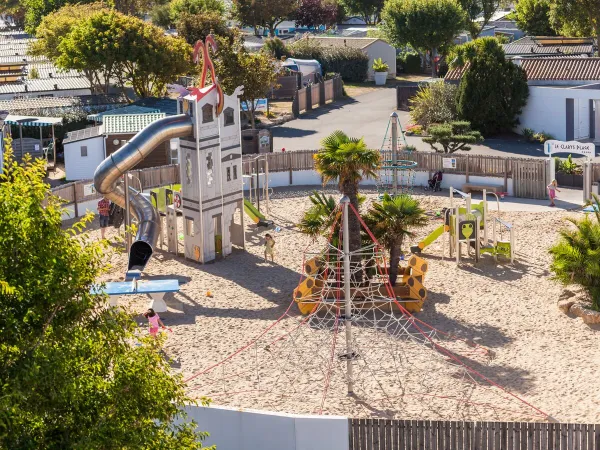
x=357, y=351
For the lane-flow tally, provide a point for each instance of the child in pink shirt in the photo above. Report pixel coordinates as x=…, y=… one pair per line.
x=154, y=321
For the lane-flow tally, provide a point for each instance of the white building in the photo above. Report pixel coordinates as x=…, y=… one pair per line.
x=84, y=151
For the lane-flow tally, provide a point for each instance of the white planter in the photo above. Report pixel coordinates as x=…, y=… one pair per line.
x=380, y=78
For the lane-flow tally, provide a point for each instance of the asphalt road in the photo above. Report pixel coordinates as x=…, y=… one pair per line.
x=367, y=116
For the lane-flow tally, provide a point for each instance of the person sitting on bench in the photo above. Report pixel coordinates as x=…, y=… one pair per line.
x=436, y=181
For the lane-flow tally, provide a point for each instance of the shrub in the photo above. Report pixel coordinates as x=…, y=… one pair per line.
x=275, y=47
x=410, y=62
x=568, y=167
x=34, y=74
x=351, y=63
x=434, y=103
x=575, y=255
x=414, y=129
x=528, y=134
x=452, y=137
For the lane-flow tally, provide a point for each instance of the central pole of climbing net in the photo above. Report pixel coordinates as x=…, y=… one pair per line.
x=345, y=201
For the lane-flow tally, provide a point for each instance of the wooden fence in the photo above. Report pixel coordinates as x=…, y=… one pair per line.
x=317, y=94
x=75, y=193
x=384, y=434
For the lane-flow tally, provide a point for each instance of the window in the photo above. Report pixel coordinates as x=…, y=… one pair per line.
x=83, y=151
x=235, y=172
x=207, y=113
x=189, y=227
x=229, y=174
x=228, y=116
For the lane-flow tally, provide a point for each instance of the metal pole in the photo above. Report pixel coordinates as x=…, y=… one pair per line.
x=347, y=298
x=257, y=187
x=394, y=119
x=127, y=213
x=53, y=149
x=21, y=141
x=267, y=183
x=42, y=145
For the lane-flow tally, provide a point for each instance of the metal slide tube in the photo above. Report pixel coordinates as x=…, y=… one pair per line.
x=110, y=171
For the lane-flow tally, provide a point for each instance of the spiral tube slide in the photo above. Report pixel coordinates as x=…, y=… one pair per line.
x=107, y=180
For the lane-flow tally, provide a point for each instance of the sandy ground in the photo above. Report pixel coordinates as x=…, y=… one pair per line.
x=541, y=355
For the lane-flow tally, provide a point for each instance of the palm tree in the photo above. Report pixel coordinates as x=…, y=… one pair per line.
x=391, y=221
x=576, y=256
x=349, y=161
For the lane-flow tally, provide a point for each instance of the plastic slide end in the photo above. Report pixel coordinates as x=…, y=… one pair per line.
x=415, y=249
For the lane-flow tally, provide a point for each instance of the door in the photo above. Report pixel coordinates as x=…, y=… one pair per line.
x=582, y=119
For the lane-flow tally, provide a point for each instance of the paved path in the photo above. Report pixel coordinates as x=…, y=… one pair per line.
x=368, y=116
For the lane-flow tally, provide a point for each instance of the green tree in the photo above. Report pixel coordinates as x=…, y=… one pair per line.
x=194, y=27
x=576, y=256
x=368, y=10
x=275, y=48
x=126, y=48
x=348, y=161
x=493, y=91
x=434, y=103
x=36, y=10
x=479, y=13
x=161, y=15
x=70, y=376
x=180, y=7
x=263, y=13
x=533, y=17
x=15, y=10
x=235, y=66
x=576, y=17
x=391, y=221
x=424, y=24
x=452, y=137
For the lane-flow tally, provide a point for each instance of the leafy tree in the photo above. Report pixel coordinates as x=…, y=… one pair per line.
x=313, y=13
x=275, y=48
x=479, y=9
x=179, y=7
x=36, y=10
x=263, y=13
x=235, y=66
x=575, y=256
x=348, y=161
x=493, y=91
x=126, y=48
x=434, y=103
x=452, y=137
x=70, y=376
x=161, y=15
x=424, y=24
x=390, y=221
x=576, y=17
x=533, y=17
x=368, y=10
x=193, y=27
x=15, y=10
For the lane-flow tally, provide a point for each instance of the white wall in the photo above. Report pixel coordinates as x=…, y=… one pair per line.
x=82, y=209
x=79, y=167
x=383, y=50
x=241, y=429
x=546, y=109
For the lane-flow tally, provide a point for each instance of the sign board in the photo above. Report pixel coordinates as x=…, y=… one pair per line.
x=259, y=105
x=449, y=163
x=572, y=147
x=89, y=189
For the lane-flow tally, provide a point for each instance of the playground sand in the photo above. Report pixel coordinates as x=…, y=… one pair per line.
x=541, y=354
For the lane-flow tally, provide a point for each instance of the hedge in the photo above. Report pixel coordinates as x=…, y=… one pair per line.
x=410, y=62
x=351, y=63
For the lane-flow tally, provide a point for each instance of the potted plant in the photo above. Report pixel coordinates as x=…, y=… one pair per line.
x=381, y=71
x=568, y=172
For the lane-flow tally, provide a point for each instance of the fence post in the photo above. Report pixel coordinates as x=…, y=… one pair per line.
x=308, y=92
x=506, y=175
x=291, y=168
x=75, y=198
x=322, y=93
x=295, y=105
x=467, y=170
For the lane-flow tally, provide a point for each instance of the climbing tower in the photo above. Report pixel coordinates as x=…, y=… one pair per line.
x=397, y=174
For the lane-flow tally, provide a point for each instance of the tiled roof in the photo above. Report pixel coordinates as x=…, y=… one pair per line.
x=551, y=46
x=569, y=69
x=45, y=85
x=129, y=109
x=38, y=103
x=131, y=123
x=359, y=43
x=80, y=135
x=549, y=69
x=164, y=105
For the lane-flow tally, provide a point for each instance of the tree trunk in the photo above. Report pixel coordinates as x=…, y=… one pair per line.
x=394, y=261
x=433, y=70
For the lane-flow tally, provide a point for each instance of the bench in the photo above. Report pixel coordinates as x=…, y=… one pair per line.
x=156, y=289
x=469, y=187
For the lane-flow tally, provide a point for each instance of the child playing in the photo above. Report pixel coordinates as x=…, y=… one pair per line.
x=552, y=189
x=154, y=321
x=269, y=247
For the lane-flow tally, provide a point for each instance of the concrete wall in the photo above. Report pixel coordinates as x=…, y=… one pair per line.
x=546, y=109
x=79, y=167
x=383, y=50
x=240, y=429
